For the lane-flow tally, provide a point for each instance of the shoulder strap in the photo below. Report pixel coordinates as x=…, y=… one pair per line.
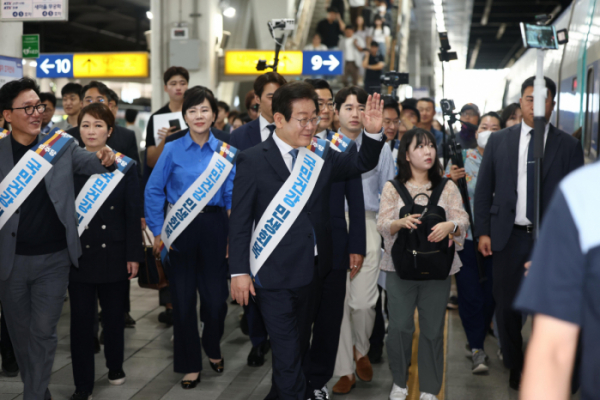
x=403, y=192
x=437, y=192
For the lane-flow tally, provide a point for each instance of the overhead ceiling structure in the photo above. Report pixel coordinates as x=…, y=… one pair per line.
x=495, y=39
x=95, y=26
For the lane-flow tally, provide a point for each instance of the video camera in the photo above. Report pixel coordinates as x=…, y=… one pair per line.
x=279, y=29
x=394, y=79
x=447, y=106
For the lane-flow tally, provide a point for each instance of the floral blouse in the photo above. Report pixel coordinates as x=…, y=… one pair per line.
x=472, y=160
x=389, y=210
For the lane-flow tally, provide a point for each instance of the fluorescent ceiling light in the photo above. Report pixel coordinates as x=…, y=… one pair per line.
x=437, y=2
x=149, y=14
x=33, y=63
x=229, y=12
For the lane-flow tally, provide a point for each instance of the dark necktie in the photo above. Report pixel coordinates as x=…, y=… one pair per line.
x=271, y=129
x=530, y=178
x=294, y=154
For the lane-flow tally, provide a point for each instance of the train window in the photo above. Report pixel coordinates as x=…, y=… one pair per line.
x=590, y=136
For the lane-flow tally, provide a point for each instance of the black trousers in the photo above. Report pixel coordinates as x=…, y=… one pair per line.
x=288, y=316
x=83, y=302
x=198, y=266
x=256, y=326
x=320, y=362
x=5, y=342
x=508, y=271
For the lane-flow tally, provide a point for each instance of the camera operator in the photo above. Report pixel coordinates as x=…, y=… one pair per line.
x=373, y=64
x=469, y=118
x=475, y=300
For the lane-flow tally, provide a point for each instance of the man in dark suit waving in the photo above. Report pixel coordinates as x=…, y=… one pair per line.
x=504, y=209
x=282, y=286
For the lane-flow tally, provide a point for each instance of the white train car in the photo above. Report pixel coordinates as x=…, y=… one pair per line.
x=575, y=68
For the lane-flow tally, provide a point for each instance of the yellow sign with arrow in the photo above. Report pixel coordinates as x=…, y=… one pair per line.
x=243, y=62
x=110, y=65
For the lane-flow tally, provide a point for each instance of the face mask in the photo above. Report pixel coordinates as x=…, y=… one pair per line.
x=482, y=138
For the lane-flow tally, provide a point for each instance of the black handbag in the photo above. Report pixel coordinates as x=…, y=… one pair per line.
x=151, y=274
x=415, y=257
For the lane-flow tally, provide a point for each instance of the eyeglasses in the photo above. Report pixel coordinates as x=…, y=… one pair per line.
x=387, y=122
x=328, y=105
x=304, y=122
x=29, y=109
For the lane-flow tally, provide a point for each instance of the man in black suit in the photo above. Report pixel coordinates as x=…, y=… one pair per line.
x=283, y=286
x=349, y=249
x=243, y=138
x=504, y=209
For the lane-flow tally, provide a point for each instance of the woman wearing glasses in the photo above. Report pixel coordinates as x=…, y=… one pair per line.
x=197, y=255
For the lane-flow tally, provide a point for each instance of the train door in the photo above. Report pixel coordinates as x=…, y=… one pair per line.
x=590, y=137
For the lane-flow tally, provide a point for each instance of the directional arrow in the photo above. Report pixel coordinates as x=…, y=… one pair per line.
x=46, y=65
x=332, y=62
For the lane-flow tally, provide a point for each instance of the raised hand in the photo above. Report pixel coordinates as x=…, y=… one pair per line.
x=372, y=117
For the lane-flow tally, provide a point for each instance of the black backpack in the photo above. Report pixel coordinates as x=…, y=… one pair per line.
x=415, y=258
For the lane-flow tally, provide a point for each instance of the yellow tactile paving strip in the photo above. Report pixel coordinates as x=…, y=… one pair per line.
x=413, y=372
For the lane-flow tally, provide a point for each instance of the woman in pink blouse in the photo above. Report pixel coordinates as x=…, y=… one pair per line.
x=419, y=170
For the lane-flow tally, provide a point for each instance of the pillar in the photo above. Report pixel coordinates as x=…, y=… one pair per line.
x=11, y=33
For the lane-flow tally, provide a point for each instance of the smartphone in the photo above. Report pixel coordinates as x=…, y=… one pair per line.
x=176, y=124
x=539, y=37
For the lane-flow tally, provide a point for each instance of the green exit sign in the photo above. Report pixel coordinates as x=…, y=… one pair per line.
x=31, y=46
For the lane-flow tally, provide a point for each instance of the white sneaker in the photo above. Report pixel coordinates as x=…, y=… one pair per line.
x=398, y=393
x=427, y=396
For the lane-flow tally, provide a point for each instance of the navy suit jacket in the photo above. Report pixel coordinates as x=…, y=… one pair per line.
x=247, y=135
x=347, y=241
x=117, y=227
x=260, y=174
x=496, y=190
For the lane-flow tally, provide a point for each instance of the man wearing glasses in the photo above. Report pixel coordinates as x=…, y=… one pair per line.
x=284, y=283
x=349, y=249
x=245, y=137
x=361, y=280
x=39, y=241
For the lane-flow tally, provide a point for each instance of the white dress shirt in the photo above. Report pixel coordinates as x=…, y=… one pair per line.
x=264, y=130
x=521, y=210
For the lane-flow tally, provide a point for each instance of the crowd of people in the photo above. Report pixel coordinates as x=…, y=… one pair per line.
x=285, y=208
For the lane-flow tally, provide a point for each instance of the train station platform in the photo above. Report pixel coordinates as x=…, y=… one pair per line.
x=150, y=376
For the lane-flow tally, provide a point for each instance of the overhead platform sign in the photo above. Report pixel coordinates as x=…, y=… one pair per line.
x=34, y=10
x=243, y=62
x=93, y=65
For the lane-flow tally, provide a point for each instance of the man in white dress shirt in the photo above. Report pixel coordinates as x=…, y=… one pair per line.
x=504, y=209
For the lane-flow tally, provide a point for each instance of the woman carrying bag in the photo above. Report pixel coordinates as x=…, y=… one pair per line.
x=111, y=241
x=419, y=259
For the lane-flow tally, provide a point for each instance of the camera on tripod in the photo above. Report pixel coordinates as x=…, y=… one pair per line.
x=394, y=79
x=447, y=106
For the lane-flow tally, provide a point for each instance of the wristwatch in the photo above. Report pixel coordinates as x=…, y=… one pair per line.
x=455, y=227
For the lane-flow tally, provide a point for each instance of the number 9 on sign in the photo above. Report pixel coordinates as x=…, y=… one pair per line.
x=317, y=62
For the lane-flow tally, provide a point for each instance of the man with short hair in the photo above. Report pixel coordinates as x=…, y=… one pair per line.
x=361, y=286
x=351, y=46
x=49, y=99
x=331, y=28
x=71, y=101
x=245, y=137
x=38, y=240
x=220, y=123
x=176, y=80
x=426, y=107
x=349, y=248
x=373, y=63
x=504, y=208
x=282, y=279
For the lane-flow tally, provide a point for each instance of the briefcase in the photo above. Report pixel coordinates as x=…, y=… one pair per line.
x=151, y=274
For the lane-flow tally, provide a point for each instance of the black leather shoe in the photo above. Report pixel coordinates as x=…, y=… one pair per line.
x=218, y=367
x=256, y=358
x=96, y=345
x=166, y=317
x=9, y=363
x=515, y=379
x=190, y=384
x=129, y=322
x=375, y=354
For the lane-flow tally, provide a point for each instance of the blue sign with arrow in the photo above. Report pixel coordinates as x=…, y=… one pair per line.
x=55, y=66
x=322, y=63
